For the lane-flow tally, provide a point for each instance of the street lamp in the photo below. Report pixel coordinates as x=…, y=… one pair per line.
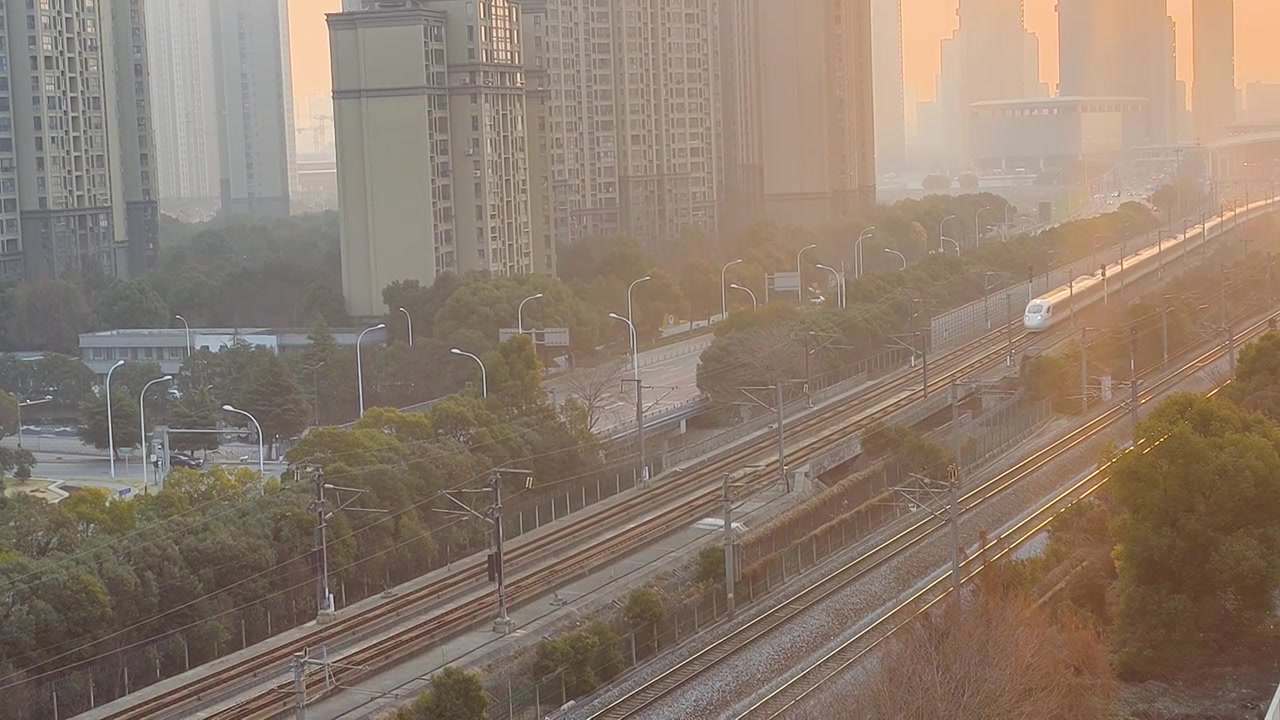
x=142, y=423
x=187, y=329
x=746, y=290
x=631, y=322
x=520, y=312
x=635, y=365
x=360, y=366
x=261, y=452
x=409, y=319
x=111, y=434
x=484, y=378
x=942, y=237
x=799, y=274
x=839, y=283
x=976, y=236
x=857, y=250
x=901, y=257
x=724, y=307
x=41, y=401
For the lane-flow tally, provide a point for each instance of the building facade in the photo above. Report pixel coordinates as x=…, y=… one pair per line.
x=1262, y=101
x=1055, y=133
x=185, y=115
x=253, y=94
x=1121, y=49
x=799, y=122
x=76, y=144
x=1213, y=89
x=626, y=108
x=890, y=106
x=441, y=81
x=990, y=56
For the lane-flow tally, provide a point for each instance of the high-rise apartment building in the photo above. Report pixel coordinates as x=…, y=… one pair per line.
x=1121, y=49
x=1262, y=101
x=180, y=44
x=886, y=62
x=253, y=92
x=630, y=115
x=990, y=56
x=799, y=118
x=76, y=177
x=433, y=163
x=1213, y=90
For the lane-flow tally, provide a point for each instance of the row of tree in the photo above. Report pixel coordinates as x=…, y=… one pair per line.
x=215, y=559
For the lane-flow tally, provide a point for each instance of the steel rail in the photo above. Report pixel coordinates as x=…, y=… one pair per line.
x=899, y=388
x=791, y=693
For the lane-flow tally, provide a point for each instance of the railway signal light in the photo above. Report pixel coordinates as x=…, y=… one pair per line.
x=1104, y=272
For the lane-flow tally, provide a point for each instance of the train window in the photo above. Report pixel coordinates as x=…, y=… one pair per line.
x=1048, y=309
x=1036, y=309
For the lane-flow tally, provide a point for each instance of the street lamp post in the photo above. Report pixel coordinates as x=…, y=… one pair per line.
x=111, y=433
x=724, y=306
x=901, y=257
x=747, y=290
x=41, y=401
x=799, y=273
x=857, y=251
x=635, y=364
x=186, y=329
x=408, y=319
x=360, y=365
x=142, y=423
x=484, y=378
x=942, y=237
x=635, y=341
x=261, y=445
x=520, y=312
x=976, y=236
x=839, y=283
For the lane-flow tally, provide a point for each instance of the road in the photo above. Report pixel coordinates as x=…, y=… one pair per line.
x=66, y=458
x=671, y=371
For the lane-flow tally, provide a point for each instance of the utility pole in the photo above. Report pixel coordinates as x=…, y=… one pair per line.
x=502, y=623
x=1133, y=374
x=782, y=446
x=1271, y=302
x=923, y=341
x=1084, y=371
x=730, y=575
x=324, y=598
x=644, y=467
x=1164, y=331
x=808, y=400
x=1226, y=323
x=1008, y=329
x=299, y=666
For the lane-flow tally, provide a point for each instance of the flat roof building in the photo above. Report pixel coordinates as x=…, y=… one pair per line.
x=1055, y=132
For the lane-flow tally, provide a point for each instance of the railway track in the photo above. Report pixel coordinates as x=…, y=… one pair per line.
x=787, y=698
x=776, y=620
x=811, y=433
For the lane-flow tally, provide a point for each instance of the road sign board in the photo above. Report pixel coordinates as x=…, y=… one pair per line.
x=785, y=282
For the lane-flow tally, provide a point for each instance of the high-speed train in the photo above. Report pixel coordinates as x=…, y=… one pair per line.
x=1058, y=304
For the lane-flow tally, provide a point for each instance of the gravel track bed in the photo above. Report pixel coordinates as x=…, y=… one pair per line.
x=767, y=663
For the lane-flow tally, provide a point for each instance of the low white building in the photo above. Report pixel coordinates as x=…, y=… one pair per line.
x=169, y=346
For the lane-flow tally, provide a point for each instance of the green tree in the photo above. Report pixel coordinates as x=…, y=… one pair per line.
x=643, y=607
x=455, y=694
x=275, y=400
x=196, y=410
x=700, y=285
x=1197, y=549
x=131, y=304
x=8, y=414
x=124, y=422
x=49, y=315
x=711, y=565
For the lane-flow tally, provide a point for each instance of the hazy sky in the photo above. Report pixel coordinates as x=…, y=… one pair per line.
x=925, y=22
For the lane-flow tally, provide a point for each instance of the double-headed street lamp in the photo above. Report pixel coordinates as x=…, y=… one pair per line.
x=839, y=283
x=111, y=433
x=261, y=452
x=942, y=237
x=724, y=306
x=635, y=368
x=408, y=319
x=747, y=290
x=977, y=238
x=520, y=312
x=484, y=379
x=901, y=257
x=360, y=365
x=41, y=401
x=142, y=423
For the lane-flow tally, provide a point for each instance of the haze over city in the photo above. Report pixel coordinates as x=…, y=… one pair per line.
x=652, y=359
